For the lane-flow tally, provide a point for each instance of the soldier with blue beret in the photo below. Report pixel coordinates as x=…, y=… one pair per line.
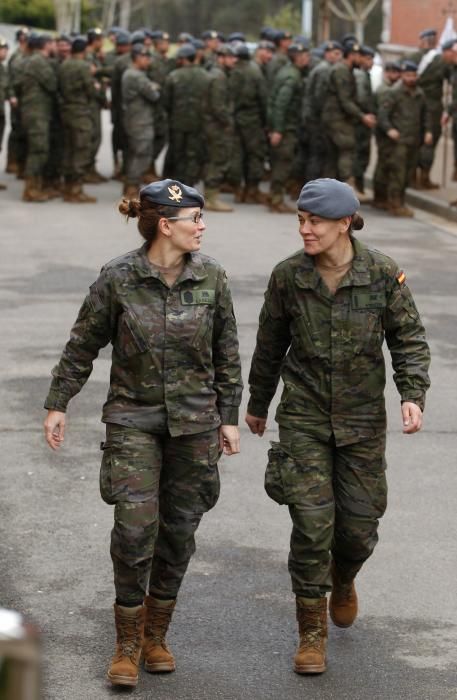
x=172, y=409
x=327, y=311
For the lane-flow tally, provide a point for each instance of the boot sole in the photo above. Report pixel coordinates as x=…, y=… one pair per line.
x=303, y=670
x=123, y=680
x=160, y=667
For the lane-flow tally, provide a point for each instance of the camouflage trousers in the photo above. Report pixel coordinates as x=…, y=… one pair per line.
x=185, y=156
x=37, y=132
x=401, y=161
x=77, y=134
x=96, y=119
x=282, y=164
x=335, y=497
x=248, y=155
x=160, y=487
x=317, y=151
x=381, y=173
x=139, y=153
x=340, y=150
x=17, y=139
x=427, y=153
x=362, y=153
x=219, y=146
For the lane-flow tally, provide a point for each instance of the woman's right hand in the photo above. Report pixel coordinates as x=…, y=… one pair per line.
x=54, y=429
x=256, y=425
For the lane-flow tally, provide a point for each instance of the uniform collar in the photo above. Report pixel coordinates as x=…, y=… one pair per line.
x=194, y=268
x=307, y=277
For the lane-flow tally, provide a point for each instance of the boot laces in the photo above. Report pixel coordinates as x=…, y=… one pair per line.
x=156, y=628
x=311, y=628
x=129, y=637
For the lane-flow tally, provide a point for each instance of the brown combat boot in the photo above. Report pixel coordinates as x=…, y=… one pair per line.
x=278, y=205
x=252, y=195
x=239, y=193
x=129, y=641
x=212, y=203
x=361, y=196
x=312, y=628
x=3, y=186
x=11, y=164
x=33, y=190
x=398, y=208
x=343, y=604
x=76, y=195
x=426, y=183
x=52, y=188
x=157, y=656
x=94, y=178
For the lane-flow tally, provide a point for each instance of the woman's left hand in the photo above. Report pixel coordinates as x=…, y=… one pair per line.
x=229, y=439
x=412, y=417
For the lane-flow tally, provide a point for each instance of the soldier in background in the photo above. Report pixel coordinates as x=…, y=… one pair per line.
x=340, y=115
x=250, y=95
x=184, y=99
x=263, y=54
x=282, y=40
x=284, y=120
x=17, y=142
x=211, y=40
x=119, y=139
x=367, y=104
x=139, y=94
x=431, y=73
x=63, y=47
x=3, y=91
x=95, y=57
x=38, y=87
x=317, y=88
x=158, y=71
x=78, y=89
x=392, y=73
x=219, y=126
x=404, y=118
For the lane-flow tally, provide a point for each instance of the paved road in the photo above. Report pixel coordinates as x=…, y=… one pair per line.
x=234, y=631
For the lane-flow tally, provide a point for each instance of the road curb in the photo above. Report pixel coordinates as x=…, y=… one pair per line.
x=424, y=201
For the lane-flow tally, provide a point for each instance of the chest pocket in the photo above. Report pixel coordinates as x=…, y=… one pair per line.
x=198, y=307
x=365, y=321
x=306, y=341
x=130, y=339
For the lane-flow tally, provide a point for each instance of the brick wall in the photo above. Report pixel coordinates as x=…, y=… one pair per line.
x=409, y=17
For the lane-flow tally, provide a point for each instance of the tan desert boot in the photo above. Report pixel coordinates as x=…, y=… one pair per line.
x=129, y=642
x=343, y=605
x=157, y=656
x=312, y=628
x=212, y=203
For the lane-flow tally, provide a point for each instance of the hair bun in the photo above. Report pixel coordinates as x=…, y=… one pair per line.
x=357, y=222
x=130, y=207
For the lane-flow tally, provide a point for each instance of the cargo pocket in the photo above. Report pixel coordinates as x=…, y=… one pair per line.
x=210, y=485
x=106, y=472
x=276, y=481
x=130, y=340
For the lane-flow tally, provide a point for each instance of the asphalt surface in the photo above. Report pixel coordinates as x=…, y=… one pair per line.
x=234, y=631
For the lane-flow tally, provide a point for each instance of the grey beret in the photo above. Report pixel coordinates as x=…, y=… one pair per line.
x=78, y=44
x=409, y=67
x=172, y=193
x=427, y=33
x=122, y=38
x=328, y=198
x=186, y=51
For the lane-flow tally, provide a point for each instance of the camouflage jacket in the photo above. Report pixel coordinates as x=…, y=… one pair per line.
x=76, y=87
x=219, y=108
x=406, y=111
x=328, y=349
x=175, y=361
x=15, y=68
x=3, y=88
x=317, y=88
x=341, y=101
x=278, y=61
x=120, y=65
x=451, y=107
x=285, y=100
x=38, y=86
x=365, y=97
x=184, y=97
x=138, y=97
x=431, y=79
x=249, y=90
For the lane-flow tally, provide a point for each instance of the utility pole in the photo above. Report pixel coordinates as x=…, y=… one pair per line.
x=307, y=18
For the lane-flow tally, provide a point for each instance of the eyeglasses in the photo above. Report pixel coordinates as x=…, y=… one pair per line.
x=195, y=218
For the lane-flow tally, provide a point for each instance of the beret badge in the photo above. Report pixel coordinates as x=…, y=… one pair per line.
x=175, y=193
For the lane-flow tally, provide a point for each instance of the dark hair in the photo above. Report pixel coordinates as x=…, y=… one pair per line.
x=148, y=215
x=357, y=223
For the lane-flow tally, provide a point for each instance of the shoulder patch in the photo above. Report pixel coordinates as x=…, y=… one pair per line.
x=401, y=277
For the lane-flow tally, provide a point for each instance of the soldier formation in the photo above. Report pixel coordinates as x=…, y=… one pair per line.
x=228, y=116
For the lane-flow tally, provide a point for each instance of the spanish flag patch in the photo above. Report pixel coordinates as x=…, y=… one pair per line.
x=401, y=277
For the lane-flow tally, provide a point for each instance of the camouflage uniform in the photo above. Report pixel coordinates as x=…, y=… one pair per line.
x=77, y=92
x=367, y=103
x=38, y=89
x=219, y=127
x=284, y=116
x=278, y=61
x=381, y=173
x=329, y=466
x=185, y=94
x=406, y=111
x=17, y=139
x=139, y=94
x=340, y=114
x=3, y=94
x=431, y=81
x=317, y=87
x=97, y=103
x=451, y=110
x=158, y=71
x=249, y=91
x=175, y=378
x=118, y=137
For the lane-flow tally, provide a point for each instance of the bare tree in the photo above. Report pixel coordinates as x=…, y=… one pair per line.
x=355, y=11
x=68, y=15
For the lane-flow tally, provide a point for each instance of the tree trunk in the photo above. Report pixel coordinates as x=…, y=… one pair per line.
x=124, y=14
